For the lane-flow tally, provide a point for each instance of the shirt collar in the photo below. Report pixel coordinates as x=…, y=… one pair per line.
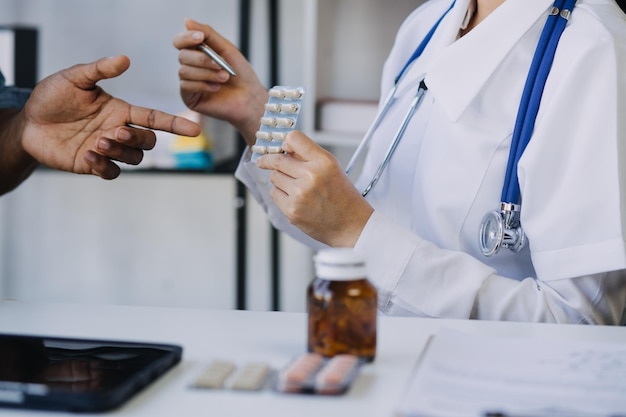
x=455, y=75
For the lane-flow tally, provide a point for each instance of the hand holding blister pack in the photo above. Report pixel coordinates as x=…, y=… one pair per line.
x=280, y=117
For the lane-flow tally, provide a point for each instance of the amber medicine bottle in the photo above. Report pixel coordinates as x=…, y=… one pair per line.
x=342, y=306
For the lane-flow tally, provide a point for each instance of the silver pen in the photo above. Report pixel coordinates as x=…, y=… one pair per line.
x=218, y=59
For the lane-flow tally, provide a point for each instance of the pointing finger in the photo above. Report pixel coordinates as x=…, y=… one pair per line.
x=158, y=120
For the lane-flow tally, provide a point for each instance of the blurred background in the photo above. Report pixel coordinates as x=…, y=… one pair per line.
x=178, y=236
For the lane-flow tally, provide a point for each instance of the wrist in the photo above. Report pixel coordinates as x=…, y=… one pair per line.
x=16, y=164
x=350, y=233
x=251, y=123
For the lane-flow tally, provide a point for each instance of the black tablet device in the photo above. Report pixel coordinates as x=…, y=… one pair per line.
x=79, y=375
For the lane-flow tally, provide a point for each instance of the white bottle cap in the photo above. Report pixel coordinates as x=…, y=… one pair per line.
x=339, y=264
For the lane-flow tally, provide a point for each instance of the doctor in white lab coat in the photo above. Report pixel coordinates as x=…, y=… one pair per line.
x=418, y=227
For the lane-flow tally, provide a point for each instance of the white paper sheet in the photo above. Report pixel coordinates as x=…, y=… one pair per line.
x=469, y=375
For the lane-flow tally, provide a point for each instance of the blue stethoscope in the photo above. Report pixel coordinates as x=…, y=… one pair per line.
x=499, y=228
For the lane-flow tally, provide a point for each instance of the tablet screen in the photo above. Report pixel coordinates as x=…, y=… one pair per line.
x=77, y=374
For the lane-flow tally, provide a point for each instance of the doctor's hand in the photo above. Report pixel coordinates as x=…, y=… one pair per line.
x=313, y=192
x=71, y=124
x=210, y=90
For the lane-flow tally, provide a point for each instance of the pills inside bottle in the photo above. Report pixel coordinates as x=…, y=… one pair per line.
x=342, y=306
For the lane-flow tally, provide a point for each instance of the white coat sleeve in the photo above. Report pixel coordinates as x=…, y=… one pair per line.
x=418, y=278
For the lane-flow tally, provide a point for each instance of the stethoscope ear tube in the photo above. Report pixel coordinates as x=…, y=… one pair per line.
x=394, y=143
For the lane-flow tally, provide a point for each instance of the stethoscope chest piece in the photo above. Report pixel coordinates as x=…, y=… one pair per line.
x=502, y=229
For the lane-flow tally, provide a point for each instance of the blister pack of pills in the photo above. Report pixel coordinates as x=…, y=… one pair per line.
x=222, y=374
x=311, y=373
x=280, y=117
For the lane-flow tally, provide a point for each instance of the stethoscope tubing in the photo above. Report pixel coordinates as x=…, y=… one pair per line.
x=368, y=135
x=531, y=96
x=527, y=112
x=394, y=144
x=387, y=105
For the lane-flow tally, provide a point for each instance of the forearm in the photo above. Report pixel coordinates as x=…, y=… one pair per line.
x=415, y=277
x=589, y=299
x=15, y=163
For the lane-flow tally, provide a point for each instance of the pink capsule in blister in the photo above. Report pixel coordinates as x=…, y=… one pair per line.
x=311, y=373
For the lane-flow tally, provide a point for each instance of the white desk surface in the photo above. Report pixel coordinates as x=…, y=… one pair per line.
x=242, y=336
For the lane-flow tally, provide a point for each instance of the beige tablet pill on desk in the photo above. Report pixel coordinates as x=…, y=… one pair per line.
x=251, y=377
x=215, y=375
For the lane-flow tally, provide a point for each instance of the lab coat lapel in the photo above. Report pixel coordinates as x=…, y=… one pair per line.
x=455, y=76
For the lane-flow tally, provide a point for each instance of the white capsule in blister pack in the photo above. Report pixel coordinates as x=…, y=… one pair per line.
x=280, y=117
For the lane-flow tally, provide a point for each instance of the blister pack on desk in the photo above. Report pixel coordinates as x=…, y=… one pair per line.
x=311, y=373
x=281, y=115
x=221, y=374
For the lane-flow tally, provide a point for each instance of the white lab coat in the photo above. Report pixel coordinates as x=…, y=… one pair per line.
x=422, y=240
